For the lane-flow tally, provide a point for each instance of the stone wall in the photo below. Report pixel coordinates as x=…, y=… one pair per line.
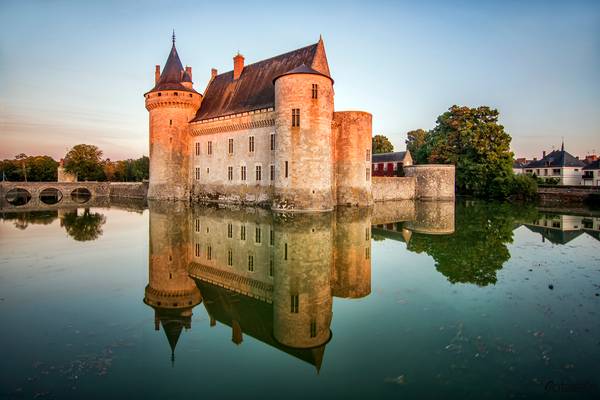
x=209, y=171
x=393, y=188
x=432, y=181
x=129, y=190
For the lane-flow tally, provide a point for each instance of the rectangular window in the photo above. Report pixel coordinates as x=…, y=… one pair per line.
x=286, y=169
x=258, y=173
x=272, y=141
x=272, y=172
x=209, y=148
x=313, y=328
x=230, y=146
x=271, y=267
x=229, y=257
x=243, y=232
x=315, y=90
x=209, y=253
x=367, y=253
x=272, y=237
x=250, y=262
x=197, y=148
x=243, y=172
x=197, y=249
x=251, y=144
x=230, y=173
x=197, y=224
x=368, y=155
x=295, y=117
x=367, y=233
x=197, y=173
x=556, y=171
x=368, y=174
x=257, y=234
x=294, y=303
x=285, y=251
x=229, y=231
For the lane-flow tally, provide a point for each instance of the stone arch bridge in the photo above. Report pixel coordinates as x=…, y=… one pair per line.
x=49, y=195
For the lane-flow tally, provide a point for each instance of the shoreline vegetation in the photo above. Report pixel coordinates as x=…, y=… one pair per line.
x=83, y=160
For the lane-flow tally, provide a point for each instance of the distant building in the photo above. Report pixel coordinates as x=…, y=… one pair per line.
x=591, y=174
x=519, y=165
x=558, y=164
x=391, y=164
x=63, y=175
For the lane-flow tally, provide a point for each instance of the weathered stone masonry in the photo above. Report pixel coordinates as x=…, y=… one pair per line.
x=267, y=134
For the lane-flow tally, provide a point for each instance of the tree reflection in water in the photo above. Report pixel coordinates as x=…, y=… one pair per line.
x=478, y=247
x=24, y=219
x=84, y=227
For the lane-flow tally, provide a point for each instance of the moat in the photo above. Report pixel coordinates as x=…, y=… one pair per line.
x=409, y=299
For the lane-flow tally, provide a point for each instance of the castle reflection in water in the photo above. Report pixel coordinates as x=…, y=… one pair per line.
x=269, y=275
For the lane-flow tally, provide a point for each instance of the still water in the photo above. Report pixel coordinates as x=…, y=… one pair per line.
x=413, y=300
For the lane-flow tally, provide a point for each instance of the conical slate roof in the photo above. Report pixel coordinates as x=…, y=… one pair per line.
x=173, y=74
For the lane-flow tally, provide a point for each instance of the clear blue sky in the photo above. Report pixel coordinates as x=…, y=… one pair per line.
x=74, y=72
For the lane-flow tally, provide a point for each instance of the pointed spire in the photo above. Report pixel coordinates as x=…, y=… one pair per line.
x=562, y=147
x=173, y=37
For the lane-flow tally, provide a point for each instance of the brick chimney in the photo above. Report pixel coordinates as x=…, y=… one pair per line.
x=213, y=72
x=238, y=65
x=157, y=74
x=189, y=71
x=543, y=153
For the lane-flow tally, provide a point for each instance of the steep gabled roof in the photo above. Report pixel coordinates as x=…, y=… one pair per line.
x=254, y=89
x=397, y=156
x=173, y=74
x=557, y=158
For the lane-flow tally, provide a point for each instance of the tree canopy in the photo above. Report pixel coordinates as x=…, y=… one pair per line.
x=30, y=168
x=84, y=160
x=479, y=147
x=415, y=141
x=382, y=144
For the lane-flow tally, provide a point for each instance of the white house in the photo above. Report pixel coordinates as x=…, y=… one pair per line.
x=558, y=164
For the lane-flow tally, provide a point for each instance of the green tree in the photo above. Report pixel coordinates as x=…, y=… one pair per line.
x=415, y=143
x=85, y=161
x=382, y=144
x=479, y=147
x=42, y=169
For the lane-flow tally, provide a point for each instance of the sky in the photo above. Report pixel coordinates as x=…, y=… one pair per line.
x=75, y=72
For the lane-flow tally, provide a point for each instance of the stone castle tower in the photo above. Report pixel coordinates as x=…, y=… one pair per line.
x=172, y=103
x=264, y=133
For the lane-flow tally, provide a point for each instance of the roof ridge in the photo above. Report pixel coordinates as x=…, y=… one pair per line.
x=271, y=58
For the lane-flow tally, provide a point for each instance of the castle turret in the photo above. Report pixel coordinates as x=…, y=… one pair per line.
x=352, y=132
x=172, y=103
x=303, y=117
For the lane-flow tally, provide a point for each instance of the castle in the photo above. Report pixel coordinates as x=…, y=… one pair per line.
x=264, y=133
